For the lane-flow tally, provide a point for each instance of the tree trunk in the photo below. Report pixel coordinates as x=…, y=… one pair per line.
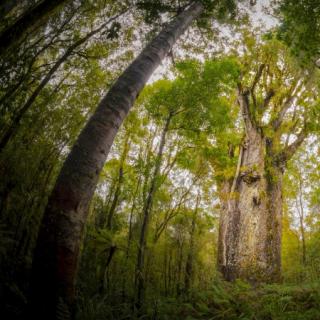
x=115, y=200
x=139, y=281
x=250, y=225
x=190, y=257
x=129, y=240
x=180, y=247
x=32, y=18
x=57, y=251
x=301, y=221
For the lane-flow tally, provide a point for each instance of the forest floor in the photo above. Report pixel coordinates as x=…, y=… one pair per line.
x=228, y=302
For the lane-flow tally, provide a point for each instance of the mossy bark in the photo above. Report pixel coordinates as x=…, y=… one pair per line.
x=250, y=225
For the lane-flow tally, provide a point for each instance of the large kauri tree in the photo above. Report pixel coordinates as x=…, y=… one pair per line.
x=276, y=101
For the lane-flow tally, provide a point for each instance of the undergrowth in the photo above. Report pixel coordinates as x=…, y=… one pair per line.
x=224, y=301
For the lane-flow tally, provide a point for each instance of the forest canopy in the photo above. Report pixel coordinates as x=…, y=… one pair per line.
x=159, y=159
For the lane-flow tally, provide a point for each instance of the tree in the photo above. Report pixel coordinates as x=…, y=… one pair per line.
x=275, y=105
x=57, y=251
x=300, y=28
x=190, y=103
x=15, y=122
x=32, y=18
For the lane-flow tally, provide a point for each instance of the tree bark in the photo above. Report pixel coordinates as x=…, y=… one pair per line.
x=57, y=251
x=250, y=225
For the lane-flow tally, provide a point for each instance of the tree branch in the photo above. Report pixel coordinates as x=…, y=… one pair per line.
x=288, y=152
x=243, y=100
x=257, y=77
x=276, y=123
x=267, y=99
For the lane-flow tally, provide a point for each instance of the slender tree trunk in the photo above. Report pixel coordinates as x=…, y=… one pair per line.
x=129, y=240
x=117, y=192
x=114, y=205
x=179, y=266
x=32, y=18
x=165, y=273
x=301, y=221
x=140, y=274
x=190, y=257
x=56, y=255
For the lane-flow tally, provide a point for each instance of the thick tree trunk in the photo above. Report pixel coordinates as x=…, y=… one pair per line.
x=250, y=225
x=56, y=255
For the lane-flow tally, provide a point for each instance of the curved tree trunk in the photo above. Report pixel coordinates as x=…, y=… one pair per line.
x=57, y=251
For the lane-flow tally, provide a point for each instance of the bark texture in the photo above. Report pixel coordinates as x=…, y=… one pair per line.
x=249, y=245
x=57, y=251
x=250, y=225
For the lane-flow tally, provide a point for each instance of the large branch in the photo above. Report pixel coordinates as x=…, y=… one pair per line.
x=276, y=123
x=243, y=100
x=6, y=6
x=293, y=91
x=255, y=82
x=257, y=77
x=267, y=99
x=288, y=152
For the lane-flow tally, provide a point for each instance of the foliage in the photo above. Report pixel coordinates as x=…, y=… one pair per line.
x=225, y=301
x=300, y=28
x=199, y=93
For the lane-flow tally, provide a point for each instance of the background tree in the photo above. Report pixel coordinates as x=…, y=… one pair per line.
x=275, y=106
